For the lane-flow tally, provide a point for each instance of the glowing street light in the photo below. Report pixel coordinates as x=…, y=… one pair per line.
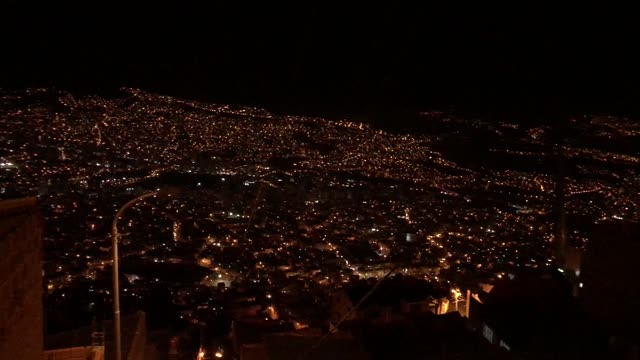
x=456, y=296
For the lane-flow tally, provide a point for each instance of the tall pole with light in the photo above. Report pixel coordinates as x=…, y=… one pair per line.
x=116, y=281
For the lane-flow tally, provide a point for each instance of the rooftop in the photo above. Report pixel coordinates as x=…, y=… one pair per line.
x=293, y=346
x=83, y=336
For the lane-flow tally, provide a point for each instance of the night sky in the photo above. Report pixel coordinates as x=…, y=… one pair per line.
x=334, y=61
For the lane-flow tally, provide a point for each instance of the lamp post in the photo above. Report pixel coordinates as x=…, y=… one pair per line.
x=116, y=281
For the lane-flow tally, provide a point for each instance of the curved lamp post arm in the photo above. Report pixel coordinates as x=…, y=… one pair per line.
x=114, y=224
x=116, y=284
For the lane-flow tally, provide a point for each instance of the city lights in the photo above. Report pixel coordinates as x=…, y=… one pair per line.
x=294, y=207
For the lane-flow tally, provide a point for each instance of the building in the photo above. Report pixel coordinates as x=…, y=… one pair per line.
x=100, y=343
x=609, y=288
x=535, y=314
x=308, y=343
x=21, y=321
x=76, y=353
x=252, y=331
x=397, y=296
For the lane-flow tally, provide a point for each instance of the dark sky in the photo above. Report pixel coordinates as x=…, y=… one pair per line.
x=334, y=60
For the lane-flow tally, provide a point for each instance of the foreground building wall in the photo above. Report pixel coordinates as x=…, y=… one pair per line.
x=20, y=280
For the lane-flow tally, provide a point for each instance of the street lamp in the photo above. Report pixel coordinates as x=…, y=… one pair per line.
x=116, y=282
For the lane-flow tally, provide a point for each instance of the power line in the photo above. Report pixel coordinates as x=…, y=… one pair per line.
x=353, y=309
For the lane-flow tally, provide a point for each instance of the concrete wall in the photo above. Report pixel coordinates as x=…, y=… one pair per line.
x=21, y=323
